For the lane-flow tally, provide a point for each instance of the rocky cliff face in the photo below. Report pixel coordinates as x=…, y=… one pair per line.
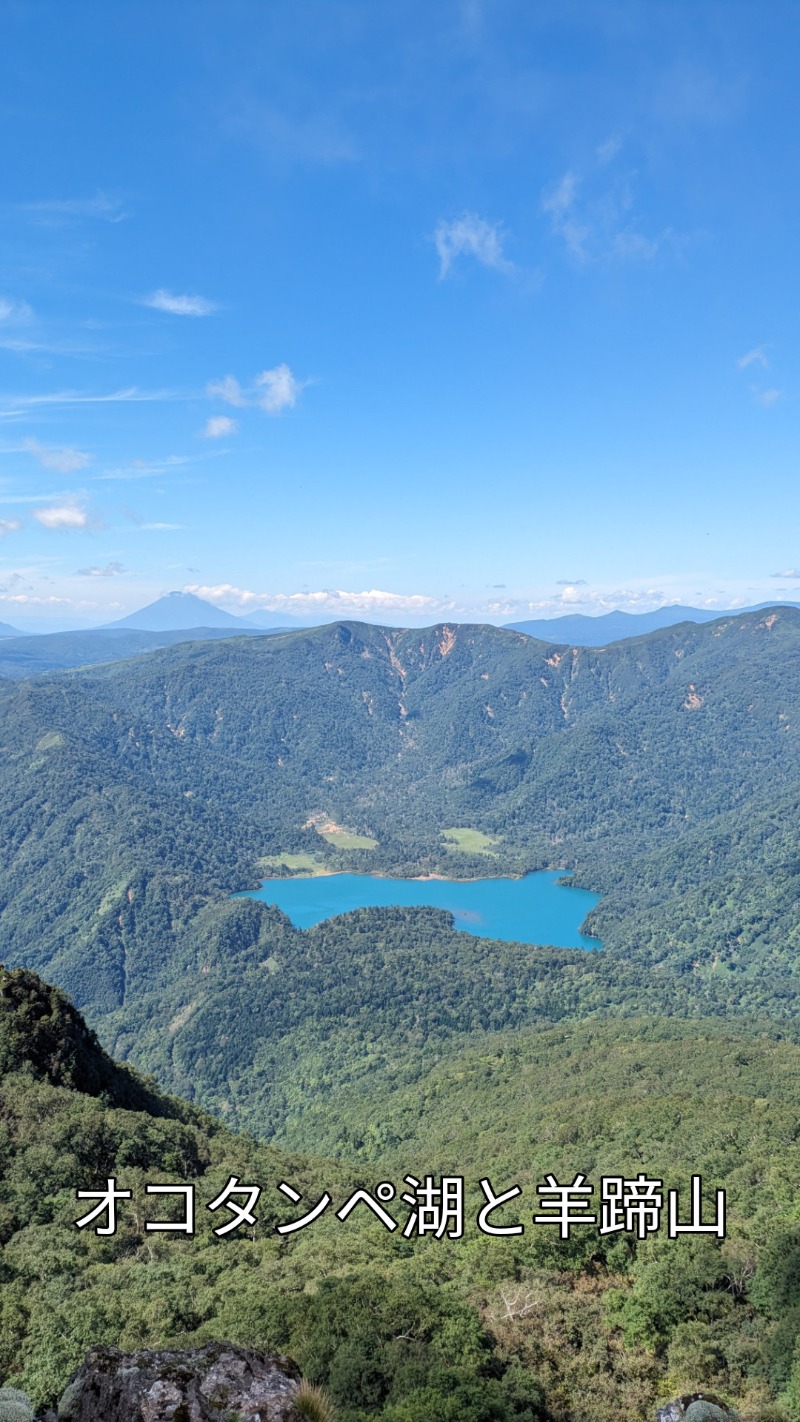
x=218, y=1383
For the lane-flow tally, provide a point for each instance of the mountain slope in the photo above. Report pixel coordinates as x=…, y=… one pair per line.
x=526, y=1328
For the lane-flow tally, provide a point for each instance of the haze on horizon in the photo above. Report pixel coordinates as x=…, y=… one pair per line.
x=337, y=310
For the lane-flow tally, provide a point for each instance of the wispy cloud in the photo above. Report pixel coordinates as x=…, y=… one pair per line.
x=29, y=498
x=470, y=236
x=62, y=516
x=227, y=389
x=218, y=426
x=15, y=407
x=111, y=570
x=144, y=469
x=593, y=213
x=45, y=345
x=757, y=356
x=179, y=305
x=273, y=391
x=607, y=151
x=62, y=458
x=317, y=138
x=767, y=397
x=559, y=204
x=105, y=206
x=161, y=527
x=787, y=573
x=9, y=525
x=131, y=394
x=15, y=312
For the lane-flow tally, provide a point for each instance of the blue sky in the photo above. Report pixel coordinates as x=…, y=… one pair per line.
x=483, y=309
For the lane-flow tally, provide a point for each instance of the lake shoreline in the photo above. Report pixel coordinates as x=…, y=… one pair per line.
x=527, y=908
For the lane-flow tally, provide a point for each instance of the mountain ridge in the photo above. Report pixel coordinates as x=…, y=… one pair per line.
x=581, y=629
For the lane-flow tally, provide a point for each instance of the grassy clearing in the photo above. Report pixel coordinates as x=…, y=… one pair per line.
x=345, y=839
x=298, y=863
x=471, y=841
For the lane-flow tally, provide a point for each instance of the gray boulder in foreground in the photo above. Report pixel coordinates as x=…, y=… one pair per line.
x=696, y=1407
x=216, y=1383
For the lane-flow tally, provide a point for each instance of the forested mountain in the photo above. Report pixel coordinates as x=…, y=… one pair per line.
x=134, y=795
x=664, y=769
x=401, y=1327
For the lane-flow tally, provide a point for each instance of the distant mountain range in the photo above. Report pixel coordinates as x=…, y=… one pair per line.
x=178, y=617
x=578, y=630
x=181, y=611
x=198, y=620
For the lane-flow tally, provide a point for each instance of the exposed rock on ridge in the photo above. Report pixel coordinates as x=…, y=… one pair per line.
x=216, y=1383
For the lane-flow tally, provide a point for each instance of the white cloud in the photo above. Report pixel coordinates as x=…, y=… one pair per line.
x=787, y=573
x=62, y=458
x=111, y=570
x=25, y=600
x=9, y=525
x=768, y=397
x=334, y=600
x=273, y=390
x=219, y=426
x=57, y=516
x=471, y=236
x=177, y=305
x=15, y=312
x=280, y=389
x=227, y=389
x=757, y=356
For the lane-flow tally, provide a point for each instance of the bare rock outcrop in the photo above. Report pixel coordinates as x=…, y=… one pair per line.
x=218, y=1383
x=696, y=1407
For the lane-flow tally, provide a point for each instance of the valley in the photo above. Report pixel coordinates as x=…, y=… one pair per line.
x=144, y=800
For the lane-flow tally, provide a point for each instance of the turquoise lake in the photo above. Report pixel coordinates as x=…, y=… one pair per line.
x=536, y=909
